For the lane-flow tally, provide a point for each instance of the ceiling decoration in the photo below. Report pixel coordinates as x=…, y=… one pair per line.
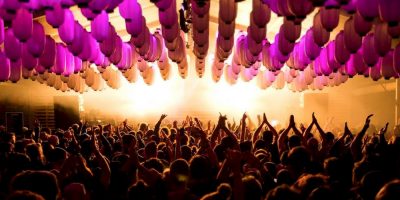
x=302, y=44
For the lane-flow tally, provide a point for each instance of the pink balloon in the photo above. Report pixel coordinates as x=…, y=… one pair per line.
x=112, y=5
x=201, y=38
x=394, y=31
x=228, y=14
x=368, y=8
x=199, y=7
x=89, y=14
x=76, y=46
x=107, y=46
x=342, y=55
x=369, y=54
x=135, y=28
x=5, y=67
x=290, y=30
x=226, y=30
x=98, y=6
x=22, y=25
x=329, y=18
x=352, y=40
x=396, y=58
x=321, y=36
x=66, y=30
x=28, y=61
x=300, y=8
x=261, y=13
x=258, y=34
x=200, y=23
x=77, y=64
x=47, y=59
x=361, y=26
x=375, y=71
x=99, y=26
x=1, y=30
x=36, y=43
x=388, y=70
x=16, y=71
x=285, y=46
x=69, y=64
x=331, y=57
x=169, y=17
x=12, y=46
x=311, y=49
x=55, y=16
x=130, y=10
x=59, y=66
x=389, y=11
x=382, y=40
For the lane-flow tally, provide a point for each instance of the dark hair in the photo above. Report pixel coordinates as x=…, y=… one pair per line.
x=25, y=195
x=41, y=182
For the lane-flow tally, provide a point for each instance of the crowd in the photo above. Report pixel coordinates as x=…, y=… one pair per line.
x=196, y=160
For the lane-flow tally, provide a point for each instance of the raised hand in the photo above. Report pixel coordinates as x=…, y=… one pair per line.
x=175, y=124
x=163, y=116
x=384, y=129
x=314, y=119
x=265, y=120
x=291, y=121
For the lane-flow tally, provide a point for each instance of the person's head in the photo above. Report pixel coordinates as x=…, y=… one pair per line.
x=371, y=183
x=57, y=156
x=9, y=137
x=246, y=146
x=219, y=150
x=283, y=177
x=150, y=150
x=186, y=152
x=139, y=191
x=294, y=141
x=54, y=140
x=179, y=171
x=154, y=163
x=268, y=136
x=298, y=158
x=224, y=192
x=127, y=141
x=307, y=183
x=24, y=195
x=28, y=133
x=75, y=191
x=252, y=188
x=200, y=167
x=390, y=191
x=283, y=192
x=313, y=145
x=41, y=182
x=322, y=193
x=35, y=152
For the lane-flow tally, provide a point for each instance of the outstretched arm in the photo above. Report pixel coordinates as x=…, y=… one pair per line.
x=281, y=139
x=321, y=132
x=158, y=124
x=103, y=163
x=258, y=130
x=356, y=144
x=243, y=132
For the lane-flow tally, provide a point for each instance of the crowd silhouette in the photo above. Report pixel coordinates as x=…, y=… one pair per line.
x=197, y=160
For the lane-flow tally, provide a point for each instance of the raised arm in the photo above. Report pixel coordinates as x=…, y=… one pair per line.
x=258, y=130
x=297, y=131
x=158, y=124
x=105, y=176
x=243, y=132
x=281, y=139
x=382, y=139
x=229, y=133
x=356, y=144
x=321, y=132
